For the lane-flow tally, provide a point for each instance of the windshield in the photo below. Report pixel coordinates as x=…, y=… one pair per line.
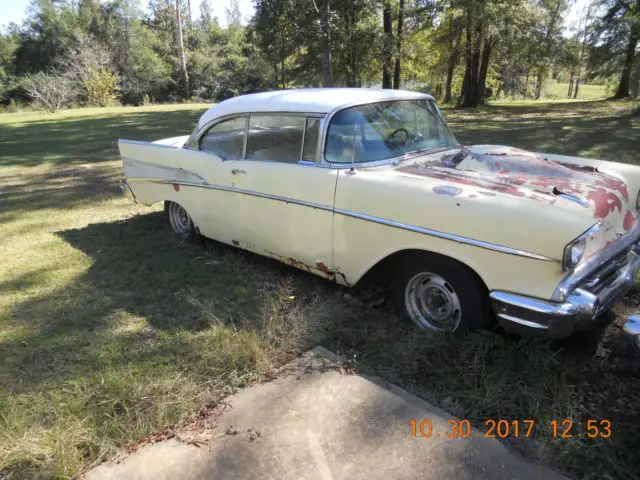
x=379, y=131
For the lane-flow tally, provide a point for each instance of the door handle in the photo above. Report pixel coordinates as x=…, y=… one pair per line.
x=236, y=171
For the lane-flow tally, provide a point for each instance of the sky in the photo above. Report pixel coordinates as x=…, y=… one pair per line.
x=15, y=11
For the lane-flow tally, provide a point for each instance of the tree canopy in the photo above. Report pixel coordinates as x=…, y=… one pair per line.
x=462, y=51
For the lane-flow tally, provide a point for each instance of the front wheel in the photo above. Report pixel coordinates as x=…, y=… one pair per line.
x=440, y=294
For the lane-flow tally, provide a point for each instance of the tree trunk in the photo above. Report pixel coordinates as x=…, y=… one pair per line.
x=470, y=96
x=484, y=68
x=387, y=44
x=183, y=59
x=352, y=67
x=326, y=47
x=570, y=86
x=539, y=78
x=625, y=78
x=275, y=71
x=576, y=87
x=396, y=72
x=526, y=85
x=451, y=67
x=284, y=83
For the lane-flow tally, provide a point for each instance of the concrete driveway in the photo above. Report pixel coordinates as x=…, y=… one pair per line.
x=317, y=422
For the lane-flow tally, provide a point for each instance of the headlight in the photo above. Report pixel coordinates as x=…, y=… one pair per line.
x=574, y=251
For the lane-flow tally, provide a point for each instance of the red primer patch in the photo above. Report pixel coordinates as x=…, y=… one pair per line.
x=604, y=201
x=629, y=220
x=322, y=267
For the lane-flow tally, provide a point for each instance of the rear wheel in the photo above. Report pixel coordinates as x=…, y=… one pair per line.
x=440, y=294
x=179, y=222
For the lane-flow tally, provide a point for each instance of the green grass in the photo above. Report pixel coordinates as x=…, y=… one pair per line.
x=553, y=90
x=110, y=329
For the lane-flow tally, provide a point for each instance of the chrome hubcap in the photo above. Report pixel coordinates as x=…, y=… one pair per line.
x=179, y=219
x=432, y=302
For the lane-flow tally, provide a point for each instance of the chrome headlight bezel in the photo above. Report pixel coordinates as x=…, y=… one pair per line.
x=574, y=250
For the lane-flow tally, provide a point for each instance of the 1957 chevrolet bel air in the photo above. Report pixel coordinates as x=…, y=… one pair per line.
x=342, y=182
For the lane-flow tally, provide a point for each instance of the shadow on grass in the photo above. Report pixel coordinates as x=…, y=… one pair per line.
x=86, y=139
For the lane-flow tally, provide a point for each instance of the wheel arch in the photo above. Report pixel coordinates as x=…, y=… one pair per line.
x=165, y=211
x=383, y=266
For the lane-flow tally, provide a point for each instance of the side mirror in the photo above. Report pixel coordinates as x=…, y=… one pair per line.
x=632, y=328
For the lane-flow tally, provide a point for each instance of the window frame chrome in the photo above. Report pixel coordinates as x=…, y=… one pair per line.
x=212, y=123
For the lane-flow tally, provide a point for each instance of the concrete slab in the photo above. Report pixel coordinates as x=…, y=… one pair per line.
x=317, y=423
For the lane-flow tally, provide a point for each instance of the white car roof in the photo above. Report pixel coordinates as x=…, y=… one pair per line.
x=304, y=100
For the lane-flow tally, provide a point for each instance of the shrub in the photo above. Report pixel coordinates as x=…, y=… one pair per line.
x=100, y=84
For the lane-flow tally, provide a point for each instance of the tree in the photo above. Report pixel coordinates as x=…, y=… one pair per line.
x=550, y=39
x=53, y=89
x=183, y=58
x=387, y=52
x=48, y=31
x=88, y=65
x=396, y=72
x=614, y=41
x=327, y=72
x=474, y=33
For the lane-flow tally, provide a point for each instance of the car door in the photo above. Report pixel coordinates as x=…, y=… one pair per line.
x=220, y=143
x=285, y=209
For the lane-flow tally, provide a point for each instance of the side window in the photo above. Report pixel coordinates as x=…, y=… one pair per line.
x=225, y=139
x=275, y=137
x=311, y=133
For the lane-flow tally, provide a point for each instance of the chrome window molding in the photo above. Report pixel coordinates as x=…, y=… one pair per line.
x=304, y=134
x=596, y=261
x=361, y=216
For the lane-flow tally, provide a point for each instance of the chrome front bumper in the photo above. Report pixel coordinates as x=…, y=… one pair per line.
x=557, y=319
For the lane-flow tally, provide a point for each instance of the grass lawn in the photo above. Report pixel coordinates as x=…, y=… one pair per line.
x=554, y=90
x=111, y=330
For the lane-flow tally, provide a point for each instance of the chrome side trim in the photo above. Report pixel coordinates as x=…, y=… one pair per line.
x=361, y=216
x=147, y=144
x=224, y=188
x=595, y=262
x=179, y=170
x=446, y=236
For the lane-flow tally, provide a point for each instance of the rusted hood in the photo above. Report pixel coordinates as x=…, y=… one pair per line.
x=490, y=170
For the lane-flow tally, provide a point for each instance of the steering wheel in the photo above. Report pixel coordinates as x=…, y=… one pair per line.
x=391, y=140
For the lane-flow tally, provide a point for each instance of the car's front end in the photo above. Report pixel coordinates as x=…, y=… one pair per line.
x=580, y=215
x=581, y=297
x=599, y=266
